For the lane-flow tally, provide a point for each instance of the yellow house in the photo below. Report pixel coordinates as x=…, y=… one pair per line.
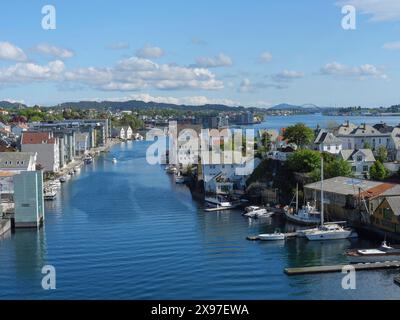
x=387, y=215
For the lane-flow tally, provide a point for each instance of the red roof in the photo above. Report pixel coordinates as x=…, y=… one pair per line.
x=375, y=191
x=38, y=138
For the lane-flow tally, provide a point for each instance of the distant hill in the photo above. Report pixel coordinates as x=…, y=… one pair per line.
x=285, y=107
x=135, y=104
x=10, y=105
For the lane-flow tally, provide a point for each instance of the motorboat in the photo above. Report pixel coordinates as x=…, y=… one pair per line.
x=307, y=215
x=257, y=212
x=170, y=169
x=385, y=252
x=77, y=169
x=332, y=231
x=88, y=159
x=218, y=201
x=114, y=160
x=63, y=179
x=272, y=236
x=49, y=194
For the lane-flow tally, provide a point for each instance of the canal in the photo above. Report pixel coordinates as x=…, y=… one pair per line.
x=127, y=231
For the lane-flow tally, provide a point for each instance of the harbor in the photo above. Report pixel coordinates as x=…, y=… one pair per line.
x=106, y=218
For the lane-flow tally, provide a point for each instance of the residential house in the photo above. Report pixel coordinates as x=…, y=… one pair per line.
x=118, y=132
x=18, y=161
x=360, y=160
x=128, y=132
x=358, y=137
x=46, y=146
x=327, y=142
x=18, y=128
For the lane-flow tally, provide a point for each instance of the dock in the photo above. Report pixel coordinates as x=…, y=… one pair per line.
x=339, y=268
x=220, y=209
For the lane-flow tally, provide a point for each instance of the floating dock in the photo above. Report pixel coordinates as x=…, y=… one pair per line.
x=339, y=268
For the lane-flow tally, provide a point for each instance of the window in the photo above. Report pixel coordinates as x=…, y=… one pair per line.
x=353, y=168
x=359, y=158
x=365, y=168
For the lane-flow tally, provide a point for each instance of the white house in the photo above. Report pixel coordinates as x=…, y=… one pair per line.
x=357, y=137
x=124, y=133
x=360, y=160
x=327, y=142
x=47, y=148
x=128, y=132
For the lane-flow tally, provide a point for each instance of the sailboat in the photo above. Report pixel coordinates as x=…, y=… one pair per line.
x=307, y=215
x=326, y=231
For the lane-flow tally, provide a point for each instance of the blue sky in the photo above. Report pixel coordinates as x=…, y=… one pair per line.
x=252, y=53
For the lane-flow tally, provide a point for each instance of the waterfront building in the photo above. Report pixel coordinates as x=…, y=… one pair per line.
x=81, y=143
x=47, y=148
x=360, y=160
x=118, y=132
x=28, y=199
x=349, y=199
x=18, y=161
x=387, y=215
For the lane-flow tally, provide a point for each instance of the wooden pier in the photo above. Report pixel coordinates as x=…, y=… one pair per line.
x=339, y=268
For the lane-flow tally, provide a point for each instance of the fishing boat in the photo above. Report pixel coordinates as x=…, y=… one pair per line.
x=307, y=215
x=49, y=194
x=277, y=235
x=385, y=252
x=256, y=212
x=332, y=231
x=218, y=201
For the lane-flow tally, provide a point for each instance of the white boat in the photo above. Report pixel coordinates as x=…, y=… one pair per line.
x=77, y=169
x=307, y=215
x=63, y=179
x=114, y=160
x=257, y=212
x=179, y=178
x=88, y=159
x=49, y=194
x=218, y=201
x=384, y=253
x=170, y=169
x=326, y=231
x=272, y=236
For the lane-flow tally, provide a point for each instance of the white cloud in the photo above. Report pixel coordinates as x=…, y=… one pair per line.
x=265, y=57
x=149, y=51
x=29, y=72
x=53, y=51
x=392, y=45
x=135, y=73
x=8, y=51
x=287, y=75
x=189, y=100
x=221, y=60
x=379, y=10
x=247, y=86
x=362, y=71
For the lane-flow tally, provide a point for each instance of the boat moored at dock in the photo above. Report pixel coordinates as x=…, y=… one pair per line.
x=257, y=212
x=383, y=253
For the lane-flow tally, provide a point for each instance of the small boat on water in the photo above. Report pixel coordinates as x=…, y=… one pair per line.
x=88, y=159
x=277, y=235
x=385, y=252
x=77, y=169
x=63, y=179
x=307, y=215
x=257, y=212
x=49, y=194
x=170, y=169
x=218, y=201
x=114, y=160
x=179, y=178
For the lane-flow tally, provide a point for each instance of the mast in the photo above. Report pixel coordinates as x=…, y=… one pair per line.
x=322, y=191
x=297, y=198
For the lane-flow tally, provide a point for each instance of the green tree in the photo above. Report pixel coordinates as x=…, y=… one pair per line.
x=266, y=140
x=299, y=134
x=382, y=154
x=304, y=160
x=336, y=168
x=378, y=171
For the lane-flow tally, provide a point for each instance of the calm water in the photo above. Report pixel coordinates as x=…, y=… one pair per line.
x=126, y=231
